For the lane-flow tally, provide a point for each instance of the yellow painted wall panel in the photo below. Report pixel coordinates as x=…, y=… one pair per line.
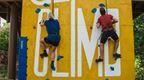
x=29, y=29
x=119, y=2
x=125, y=14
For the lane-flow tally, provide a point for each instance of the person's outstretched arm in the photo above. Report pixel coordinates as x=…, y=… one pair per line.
x=114, y=20
x=98, y=24
x=42, y=23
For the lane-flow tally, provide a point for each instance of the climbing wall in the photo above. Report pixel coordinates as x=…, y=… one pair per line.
x=79, y=41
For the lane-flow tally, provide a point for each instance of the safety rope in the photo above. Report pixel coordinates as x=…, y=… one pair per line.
x=52, y=2
x=106, y=1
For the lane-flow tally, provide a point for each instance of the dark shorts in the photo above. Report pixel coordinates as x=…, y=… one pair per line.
x=107, y=34
x=53, y=39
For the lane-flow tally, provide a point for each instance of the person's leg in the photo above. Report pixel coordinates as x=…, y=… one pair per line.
x=101, y=51
x=115, y=37
x=101, y=57
x=59, y=57
x=116, y=45
x=43, y=43
x=116, y=55
x=53, y=58
x=46, y=50
x=53, y=52
x=102, y=42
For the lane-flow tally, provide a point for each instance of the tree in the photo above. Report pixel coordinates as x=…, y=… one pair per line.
x=4, y=36
x=139, y=46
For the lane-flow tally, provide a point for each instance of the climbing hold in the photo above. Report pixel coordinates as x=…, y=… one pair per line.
x=38, y=10
x=34, y=27
x=47, y=79
x=94, y=10
x=101, y=5
x=46, y=5
x=91, y=27
x=112, y=68
x=59, y=57
x=106, y=79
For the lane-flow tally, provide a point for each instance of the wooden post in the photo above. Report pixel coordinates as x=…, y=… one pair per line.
x=12, y=43
x=8, y=16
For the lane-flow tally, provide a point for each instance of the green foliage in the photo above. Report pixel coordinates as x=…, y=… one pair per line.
x=139, y=69
x=4, y=36
x=139, y=46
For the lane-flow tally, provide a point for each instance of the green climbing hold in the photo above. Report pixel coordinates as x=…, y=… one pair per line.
x=101, y=5
x=59, y=57
x=94, y=10
x=38, y=10
x=46, y=5
x=47, y=79
x=106, y=79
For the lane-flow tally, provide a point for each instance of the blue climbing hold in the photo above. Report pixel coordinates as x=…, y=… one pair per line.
x=46, y=5
x=38, y=10
x=94, y=10
x=112, y=68
x=101, y=5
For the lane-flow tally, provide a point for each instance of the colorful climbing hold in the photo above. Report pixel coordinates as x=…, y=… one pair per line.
x=46, y=5
x=112, y=68
x=38, y=10
x=94, y=10
x=101, y=5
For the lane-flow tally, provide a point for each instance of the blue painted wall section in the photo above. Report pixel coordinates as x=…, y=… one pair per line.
x=22, y=58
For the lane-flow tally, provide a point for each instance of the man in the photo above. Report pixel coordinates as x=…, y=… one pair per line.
x=106, y=21
x=53, y=38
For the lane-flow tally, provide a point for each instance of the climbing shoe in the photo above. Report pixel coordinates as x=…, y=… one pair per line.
x=98, y=60
x=44, y=54
x=52, y=66
x=116, y=56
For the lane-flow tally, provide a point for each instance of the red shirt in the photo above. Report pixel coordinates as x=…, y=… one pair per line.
x=105, y=21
